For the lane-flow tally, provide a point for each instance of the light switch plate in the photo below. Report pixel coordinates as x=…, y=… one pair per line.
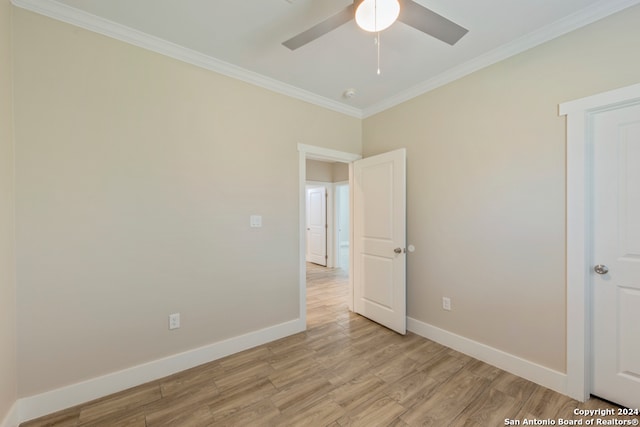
x=255, y=221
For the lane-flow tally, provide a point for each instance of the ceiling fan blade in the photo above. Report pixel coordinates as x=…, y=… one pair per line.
x=340, y=18
x=427, y=21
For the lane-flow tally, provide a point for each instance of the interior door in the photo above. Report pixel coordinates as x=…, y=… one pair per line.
x=379, y=231
x=616, y=256
x=317, y=225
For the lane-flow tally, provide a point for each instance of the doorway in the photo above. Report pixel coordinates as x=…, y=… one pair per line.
x=378, y=273
x=308, y=152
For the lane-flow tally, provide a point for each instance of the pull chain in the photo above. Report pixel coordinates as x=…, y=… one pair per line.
x=375, y=18
x=378, y=43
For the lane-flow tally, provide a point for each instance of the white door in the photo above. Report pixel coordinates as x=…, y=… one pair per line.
x=616, y=248
x=379, y=230
x=317, y=225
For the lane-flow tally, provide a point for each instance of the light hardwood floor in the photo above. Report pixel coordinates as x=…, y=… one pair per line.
x=343, y=371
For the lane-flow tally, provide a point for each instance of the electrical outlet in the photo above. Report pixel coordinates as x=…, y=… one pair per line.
x=446, y=303
x=174, y=321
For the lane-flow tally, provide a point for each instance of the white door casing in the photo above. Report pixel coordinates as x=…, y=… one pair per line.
x=379, y=239
x=616, y=247
x=579, y=114
x=342, y=225
x=317, y=225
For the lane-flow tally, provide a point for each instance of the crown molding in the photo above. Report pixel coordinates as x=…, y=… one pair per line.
x=78, y=18
x=570, y=23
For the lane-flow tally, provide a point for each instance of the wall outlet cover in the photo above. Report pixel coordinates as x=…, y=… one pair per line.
x=174, y=321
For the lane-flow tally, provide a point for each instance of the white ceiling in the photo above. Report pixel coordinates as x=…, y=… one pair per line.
x=242, y=38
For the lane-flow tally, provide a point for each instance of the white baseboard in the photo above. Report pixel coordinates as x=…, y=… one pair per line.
x=65, y=397
x=12, y=419
x=55, y=400
x=538, y=374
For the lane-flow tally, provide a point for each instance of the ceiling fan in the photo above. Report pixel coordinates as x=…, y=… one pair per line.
x=411, y=13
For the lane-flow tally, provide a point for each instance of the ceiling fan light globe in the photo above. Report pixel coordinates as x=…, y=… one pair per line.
x=377, y=15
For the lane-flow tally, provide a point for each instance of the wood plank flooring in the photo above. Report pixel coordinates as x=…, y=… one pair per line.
x=343, y=371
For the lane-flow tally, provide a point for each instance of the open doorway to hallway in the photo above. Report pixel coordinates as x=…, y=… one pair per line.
x=334, y=168
x=327, y=240
x=327, y=214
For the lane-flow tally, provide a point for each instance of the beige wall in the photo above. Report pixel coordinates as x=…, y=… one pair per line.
x=7, y=229
x=327, y=171
x=486, y=187
x=136, y=177
x=340, y=172
x=319, y=171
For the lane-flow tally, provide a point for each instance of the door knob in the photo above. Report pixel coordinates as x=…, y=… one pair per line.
x=398, y=250
x=601, y=269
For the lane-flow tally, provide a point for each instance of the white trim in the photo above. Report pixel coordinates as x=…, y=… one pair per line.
x=321, y=153
x=570, y=23
x=65, y=397
x=577, y=262
x=82, y=19
x=605, y=99
x=336, y=223
x=351, y=237
x=523, y=368
x=12, y=419
x=302, y=233
x=78, y=18
x=578, y=114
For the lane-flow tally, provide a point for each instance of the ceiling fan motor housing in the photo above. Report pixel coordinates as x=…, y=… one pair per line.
x=377, y=15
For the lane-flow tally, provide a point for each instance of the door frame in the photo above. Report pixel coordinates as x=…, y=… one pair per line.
x=337, y=206
x=579, y=238
x=315, y=153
